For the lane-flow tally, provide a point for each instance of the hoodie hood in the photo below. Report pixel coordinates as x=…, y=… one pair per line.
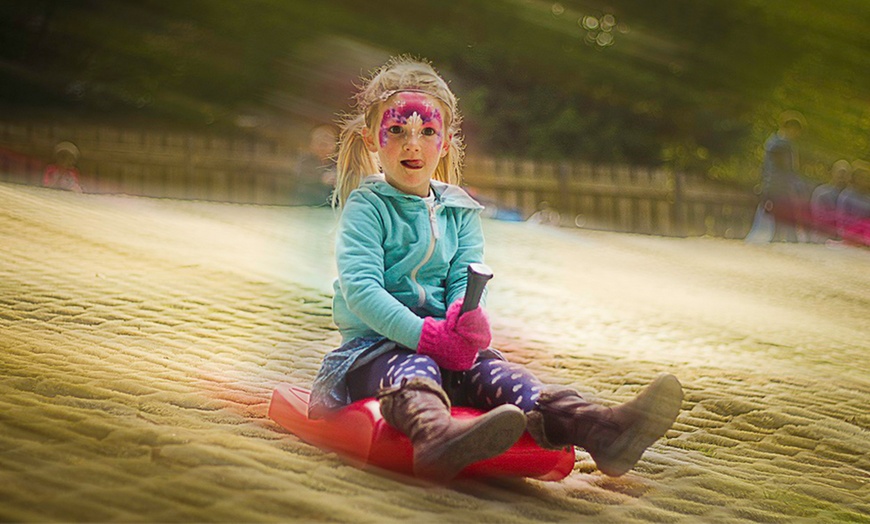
x=447, y=195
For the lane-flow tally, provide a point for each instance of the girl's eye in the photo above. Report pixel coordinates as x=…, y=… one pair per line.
x=428, y=131
x=395, y=130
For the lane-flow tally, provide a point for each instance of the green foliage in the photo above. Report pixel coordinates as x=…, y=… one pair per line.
x=694, y=84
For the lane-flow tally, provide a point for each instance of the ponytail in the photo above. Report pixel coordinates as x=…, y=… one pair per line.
x=449, y=168
x=354, y=161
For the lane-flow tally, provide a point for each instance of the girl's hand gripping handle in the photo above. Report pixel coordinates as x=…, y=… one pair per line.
x=453, y=343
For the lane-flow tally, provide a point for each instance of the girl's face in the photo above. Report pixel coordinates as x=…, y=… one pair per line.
x=410, y=141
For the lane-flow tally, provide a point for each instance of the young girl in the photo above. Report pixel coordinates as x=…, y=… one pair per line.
x=406, y=235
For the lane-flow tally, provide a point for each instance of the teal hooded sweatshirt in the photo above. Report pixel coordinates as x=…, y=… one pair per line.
x=402, y=258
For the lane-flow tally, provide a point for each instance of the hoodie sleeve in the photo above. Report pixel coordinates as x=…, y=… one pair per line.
x=360, y=260
x=469, y=250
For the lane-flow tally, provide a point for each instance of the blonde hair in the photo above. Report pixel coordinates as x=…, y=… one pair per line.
x=402, y=73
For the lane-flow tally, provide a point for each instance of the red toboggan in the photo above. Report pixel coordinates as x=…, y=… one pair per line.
x=359, y=434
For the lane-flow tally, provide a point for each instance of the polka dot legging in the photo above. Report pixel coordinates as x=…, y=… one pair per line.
x=489, y=383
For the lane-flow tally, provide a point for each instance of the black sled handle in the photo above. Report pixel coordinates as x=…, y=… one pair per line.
x=478, y=276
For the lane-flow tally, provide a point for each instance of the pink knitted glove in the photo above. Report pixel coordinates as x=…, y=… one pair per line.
x=453, y=343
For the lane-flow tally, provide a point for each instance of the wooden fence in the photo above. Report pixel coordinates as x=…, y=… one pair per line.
x=241, y=169
x=250, y=170
x=618, y=198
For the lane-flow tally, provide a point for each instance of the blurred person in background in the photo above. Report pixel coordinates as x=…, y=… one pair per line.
x=853, y=206
x=314, y=172
x=823, y=202
x=63, y=174
x=784, y=196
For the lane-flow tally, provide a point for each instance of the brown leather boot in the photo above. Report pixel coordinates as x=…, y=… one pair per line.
x=614, y=437
x=443, y=446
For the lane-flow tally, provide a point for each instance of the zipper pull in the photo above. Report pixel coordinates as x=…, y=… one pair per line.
x=433, y=221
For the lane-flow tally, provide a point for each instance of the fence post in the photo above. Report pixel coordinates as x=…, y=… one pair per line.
x=564, y=198
x=678, y=215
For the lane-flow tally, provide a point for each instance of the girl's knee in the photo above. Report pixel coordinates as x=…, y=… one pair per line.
x=495, y=382
x=411, y=366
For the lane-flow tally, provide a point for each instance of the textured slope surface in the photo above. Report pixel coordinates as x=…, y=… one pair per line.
x=140, y=341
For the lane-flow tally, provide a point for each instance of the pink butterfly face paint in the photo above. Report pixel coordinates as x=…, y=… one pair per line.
x=409, y=115
x=411, y=140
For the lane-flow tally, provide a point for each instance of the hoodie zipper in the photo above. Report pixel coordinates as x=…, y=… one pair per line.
x=433, y=238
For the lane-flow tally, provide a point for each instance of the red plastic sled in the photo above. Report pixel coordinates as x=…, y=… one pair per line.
x=360, y=435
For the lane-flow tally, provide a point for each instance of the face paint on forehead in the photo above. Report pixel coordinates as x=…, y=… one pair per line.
x=414, y=110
